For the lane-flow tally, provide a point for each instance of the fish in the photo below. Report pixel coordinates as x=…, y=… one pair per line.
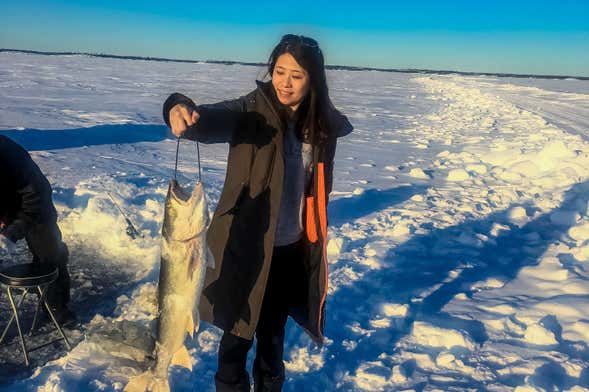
x=184, y=259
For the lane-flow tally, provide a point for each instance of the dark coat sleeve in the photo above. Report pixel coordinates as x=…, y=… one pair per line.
x=33, y=188
x=344, y=127
x=217, y=122
x=340, y=123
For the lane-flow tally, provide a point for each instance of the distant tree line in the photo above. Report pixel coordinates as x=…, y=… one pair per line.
x=333, y=67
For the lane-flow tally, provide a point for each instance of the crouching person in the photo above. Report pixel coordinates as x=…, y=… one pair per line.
x=27, y=211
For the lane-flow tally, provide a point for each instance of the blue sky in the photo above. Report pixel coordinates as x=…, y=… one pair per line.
x=539, y=37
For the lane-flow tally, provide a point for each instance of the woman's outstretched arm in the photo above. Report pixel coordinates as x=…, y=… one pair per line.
x=209, y=123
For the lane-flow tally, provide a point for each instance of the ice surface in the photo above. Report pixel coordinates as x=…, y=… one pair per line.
x=458, y=224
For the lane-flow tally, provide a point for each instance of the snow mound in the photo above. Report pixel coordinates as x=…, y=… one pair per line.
x=334, y=247
x=426, y=334
x=372, y=376
x=577, y=388
x=380, y=323
x=418, y=173
x=395, y=310
x=398, y=375
x=491, y=283
x=578, y=331
x=400, y=230
x=497, y=228
x=539, y=335
x=552, y=154
x=303, y=361
x=458, y=175
x=579, y=233
x=517, y=214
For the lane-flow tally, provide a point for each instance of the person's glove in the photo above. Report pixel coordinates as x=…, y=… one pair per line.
x=6, y=244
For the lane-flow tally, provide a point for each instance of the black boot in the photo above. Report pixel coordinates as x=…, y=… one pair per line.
x=232, y=357
x=264, y=382
x=241, y=385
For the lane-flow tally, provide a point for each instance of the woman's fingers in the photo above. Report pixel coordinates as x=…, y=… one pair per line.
x=182, y=117
x=187, y=115
x=177, y=124
x=195, y=117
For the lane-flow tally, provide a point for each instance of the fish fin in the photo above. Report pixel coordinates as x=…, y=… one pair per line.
x=147, y=382
x=196, y=325
x=159, y=385
x=193, y=262
x=190, y=326
x=182, y=358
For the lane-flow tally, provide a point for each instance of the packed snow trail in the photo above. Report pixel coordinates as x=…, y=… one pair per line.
x=441, y=283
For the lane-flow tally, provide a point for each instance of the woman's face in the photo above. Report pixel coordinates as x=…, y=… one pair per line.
x=290, y=80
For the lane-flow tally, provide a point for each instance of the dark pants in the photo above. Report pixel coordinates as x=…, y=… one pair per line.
x=44, y=241
x=286, y=285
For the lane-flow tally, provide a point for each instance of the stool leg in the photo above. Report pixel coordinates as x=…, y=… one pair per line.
x=22, y=340
x=39, y=305
x=24, y=294
x=67, y=343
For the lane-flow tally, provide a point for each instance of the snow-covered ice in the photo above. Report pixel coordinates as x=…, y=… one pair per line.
x=458, y=224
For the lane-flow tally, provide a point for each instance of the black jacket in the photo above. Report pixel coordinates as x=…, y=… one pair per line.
x=25, y=193
x=241, y=234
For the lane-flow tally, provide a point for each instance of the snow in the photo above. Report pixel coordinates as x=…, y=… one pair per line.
x=459, y=233
x=458, y=175
x=431, y=336
x=418, y=173
x=537, y=334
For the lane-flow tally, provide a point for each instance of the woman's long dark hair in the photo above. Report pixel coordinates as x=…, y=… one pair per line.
x=313, y=117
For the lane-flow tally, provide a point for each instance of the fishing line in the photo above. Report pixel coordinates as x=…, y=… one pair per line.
x=197, y=157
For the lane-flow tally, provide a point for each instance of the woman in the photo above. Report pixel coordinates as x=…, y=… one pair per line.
x=268, y=233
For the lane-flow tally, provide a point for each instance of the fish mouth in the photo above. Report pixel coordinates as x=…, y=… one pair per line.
x=182, y=220
x=178, y=191
x=183, y=195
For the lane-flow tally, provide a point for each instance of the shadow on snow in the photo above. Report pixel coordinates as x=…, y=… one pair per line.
x=348, y=209
x=36, y=140
x=422, y=273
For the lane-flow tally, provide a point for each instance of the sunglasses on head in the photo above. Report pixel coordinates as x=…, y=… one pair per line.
x=300, y=39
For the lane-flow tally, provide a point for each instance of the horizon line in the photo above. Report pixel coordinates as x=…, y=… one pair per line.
x=330, y=67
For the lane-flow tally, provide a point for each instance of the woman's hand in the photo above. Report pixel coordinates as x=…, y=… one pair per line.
x=182, y=117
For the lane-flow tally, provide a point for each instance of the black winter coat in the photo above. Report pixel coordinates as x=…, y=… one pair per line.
x=25, y=193
x=241, y=234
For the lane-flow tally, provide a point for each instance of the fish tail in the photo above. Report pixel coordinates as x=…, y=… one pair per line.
x=147, y=382
x=182, y=358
